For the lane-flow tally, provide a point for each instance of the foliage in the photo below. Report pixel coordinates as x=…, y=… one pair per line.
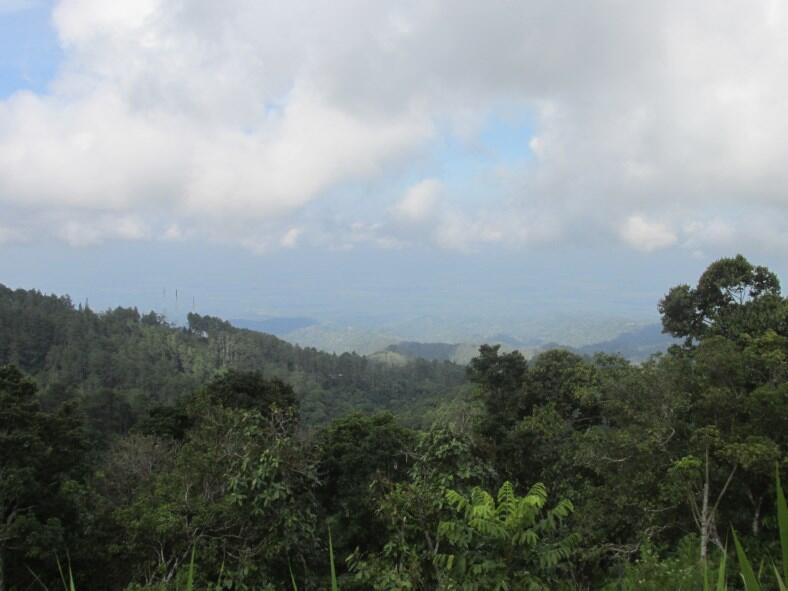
x=121, y=364
x=164, y=456
x=39, y=457
x=650, y=571
x=503, y=542
x=412, y=511
x=751, y=581
x=732, y=296
x=356, y=453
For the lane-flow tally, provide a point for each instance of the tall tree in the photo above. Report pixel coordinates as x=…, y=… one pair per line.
x=733, y=376
x=38, y=451
x=732, y=296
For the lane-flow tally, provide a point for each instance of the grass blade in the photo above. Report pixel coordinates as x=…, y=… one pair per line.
x=190, y=574
x=292, y=576
x=706, y=576
x=334, y=584
x=721, y=586
x=221, y=576
x=62, y=576
x=780, y=583
x=67, y=585
x=747, y=574
x=782, y=520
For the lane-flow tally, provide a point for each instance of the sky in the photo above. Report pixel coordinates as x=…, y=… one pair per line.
x=359, y=159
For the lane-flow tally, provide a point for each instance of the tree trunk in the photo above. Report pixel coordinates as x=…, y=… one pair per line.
x=756, y=519
x=705, y=522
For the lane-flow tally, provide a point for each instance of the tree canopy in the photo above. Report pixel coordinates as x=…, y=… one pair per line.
x=127, y=445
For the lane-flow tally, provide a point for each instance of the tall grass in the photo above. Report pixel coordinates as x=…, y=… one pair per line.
x=190, y=574
x=721, y=584
x=67, y=585
x=751, y=581
x=334, y=585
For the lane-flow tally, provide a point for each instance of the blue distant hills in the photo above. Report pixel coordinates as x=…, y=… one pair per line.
x=633, y=343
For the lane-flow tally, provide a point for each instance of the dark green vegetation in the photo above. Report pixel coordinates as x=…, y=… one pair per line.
x=126, y=444
x=120, y=363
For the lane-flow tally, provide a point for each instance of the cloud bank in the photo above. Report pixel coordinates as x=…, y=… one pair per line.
x=656, y=124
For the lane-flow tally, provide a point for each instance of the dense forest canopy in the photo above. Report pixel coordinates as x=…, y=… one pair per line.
x=124, y=362
x=128, y=444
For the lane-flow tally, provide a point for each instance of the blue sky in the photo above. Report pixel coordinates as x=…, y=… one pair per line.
x=502, y=161
x=29, y=51
x=231, y=281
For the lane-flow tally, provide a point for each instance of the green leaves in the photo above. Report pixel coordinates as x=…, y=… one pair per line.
x=721, y=584
x=729, y=300
x=747, y=574
x=502, y=542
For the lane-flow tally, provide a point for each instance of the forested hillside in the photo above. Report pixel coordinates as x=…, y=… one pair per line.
x=562, y=472
x=634, y=345
x=124, y=363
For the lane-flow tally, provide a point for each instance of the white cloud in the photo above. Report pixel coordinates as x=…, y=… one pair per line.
x=712, y=232
x=419, y=202
x=646, y=235
x=227, y=117
x=173, y=232
x=459, y=232
x=290, y=238
x=80, y=21
x=96, y=230
x=537, y=146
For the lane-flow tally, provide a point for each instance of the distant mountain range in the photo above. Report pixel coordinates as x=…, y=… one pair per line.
x=636, y=345
x=630, y=340
x=460, y=353
x=366, y=336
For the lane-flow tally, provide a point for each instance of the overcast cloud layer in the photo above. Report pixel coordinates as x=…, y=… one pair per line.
x=652, y=124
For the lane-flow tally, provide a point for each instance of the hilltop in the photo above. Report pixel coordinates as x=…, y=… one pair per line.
x=125, y=362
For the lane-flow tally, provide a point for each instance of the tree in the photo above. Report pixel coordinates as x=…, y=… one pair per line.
x=38, y=453
x=355, y=453
x=501, y=380
x=732, y=296
x=729, y=456
x=240, y=489
x=732, y=375
x=600, y=432
x=566, y=380
x=411, y=511
x=249, y=390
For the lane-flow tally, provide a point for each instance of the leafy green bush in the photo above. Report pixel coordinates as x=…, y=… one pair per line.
x=680, y=571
